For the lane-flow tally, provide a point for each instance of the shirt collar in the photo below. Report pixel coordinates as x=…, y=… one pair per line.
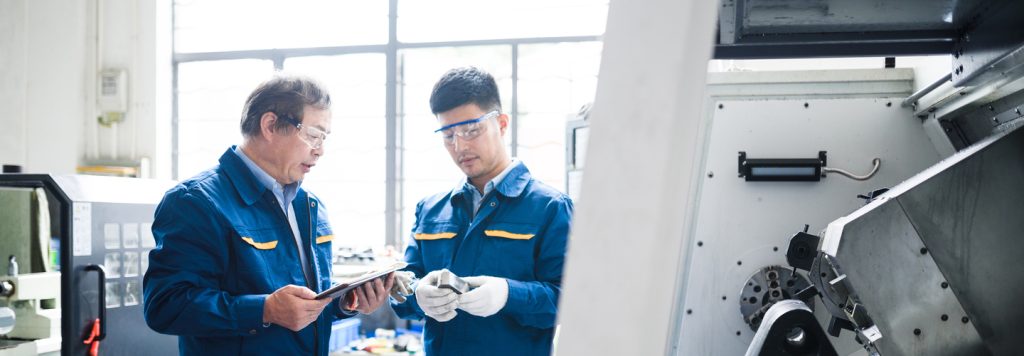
x=493, y=182
x=510, y=182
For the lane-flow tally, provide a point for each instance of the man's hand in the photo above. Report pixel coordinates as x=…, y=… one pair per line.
x=437, y=303
x=293, y=307
x=487, y=297
x=403, y=285
x=371, y=295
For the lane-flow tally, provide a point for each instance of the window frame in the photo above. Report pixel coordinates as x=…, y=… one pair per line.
x=394, y=170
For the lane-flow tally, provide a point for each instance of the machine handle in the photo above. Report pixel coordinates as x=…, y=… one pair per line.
x=102, y=272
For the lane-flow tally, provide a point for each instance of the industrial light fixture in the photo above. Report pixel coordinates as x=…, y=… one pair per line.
x=794, y=169
x=782, y=169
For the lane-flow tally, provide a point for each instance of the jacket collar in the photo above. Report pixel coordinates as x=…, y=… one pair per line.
x=245, y=182
x=515, y=182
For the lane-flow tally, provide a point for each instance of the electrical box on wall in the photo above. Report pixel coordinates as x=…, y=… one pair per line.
x=113, y=93
x=112, y=98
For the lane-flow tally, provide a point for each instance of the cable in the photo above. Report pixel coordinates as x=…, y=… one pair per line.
x=877, y=162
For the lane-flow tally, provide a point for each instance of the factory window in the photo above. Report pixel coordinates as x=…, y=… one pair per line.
x=210, y=97
x=379, y=163
x=462, y=20
x=555, y=81
x=350, y=177
x=237, y=25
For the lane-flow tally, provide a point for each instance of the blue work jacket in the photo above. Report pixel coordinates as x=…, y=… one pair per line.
x=519, y=234
x=223, y=244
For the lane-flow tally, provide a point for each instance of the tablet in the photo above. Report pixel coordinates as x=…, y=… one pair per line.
x=339, y=289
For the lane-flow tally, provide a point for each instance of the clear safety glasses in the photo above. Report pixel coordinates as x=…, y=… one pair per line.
x=467, y=130
x=312, y=136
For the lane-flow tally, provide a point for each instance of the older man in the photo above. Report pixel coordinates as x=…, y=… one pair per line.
x=242, y=249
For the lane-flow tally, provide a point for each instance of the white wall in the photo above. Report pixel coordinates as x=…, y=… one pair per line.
x=12, y=82
x=42, y=90
x=48, y=56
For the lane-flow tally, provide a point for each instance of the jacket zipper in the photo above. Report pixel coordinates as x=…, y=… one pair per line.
x=316, y=278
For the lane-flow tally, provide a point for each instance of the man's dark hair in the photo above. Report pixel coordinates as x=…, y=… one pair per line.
x=466, y=85
x=285, y=95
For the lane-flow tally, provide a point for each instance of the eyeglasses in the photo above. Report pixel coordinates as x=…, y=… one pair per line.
x=312, y=136
x=468, y=129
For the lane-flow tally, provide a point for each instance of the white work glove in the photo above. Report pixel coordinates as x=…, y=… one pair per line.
x=487, y=297
x=402, y=286
x=437, y=303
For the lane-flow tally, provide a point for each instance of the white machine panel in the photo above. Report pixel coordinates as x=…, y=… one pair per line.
x=744, y=226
